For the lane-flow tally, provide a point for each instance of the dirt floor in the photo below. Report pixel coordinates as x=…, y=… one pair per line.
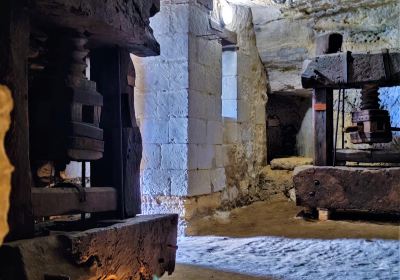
x=189, y=272
x=278, y=218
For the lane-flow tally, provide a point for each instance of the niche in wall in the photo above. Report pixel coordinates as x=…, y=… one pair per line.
x=285, y=116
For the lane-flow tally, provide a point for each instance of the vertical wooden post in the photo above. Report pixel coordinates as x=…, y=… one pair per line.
x=113, y=72
x=14, y=48
x=323, y=106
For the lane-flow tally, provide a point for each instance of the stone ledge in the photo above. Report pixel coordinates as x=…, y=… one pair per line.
x=136, y=248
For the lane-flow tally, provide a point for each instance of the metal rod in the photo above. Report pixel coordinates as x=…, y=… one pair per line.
x=337, y=128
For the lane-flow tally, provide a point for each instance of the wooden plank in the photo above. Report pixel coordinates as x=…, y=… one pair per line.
x=14, y=49
x=61, y=201
x=328, y=71
x=112, y=69
x=348, y=188
x=368, y=156
x=323, y=126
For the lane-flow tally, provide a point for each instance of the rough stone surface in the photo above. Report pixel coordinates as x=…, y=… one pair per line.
x=290, y=163
x=6, y=168
x=244, y=148
x=138, y=248
x=349, y=188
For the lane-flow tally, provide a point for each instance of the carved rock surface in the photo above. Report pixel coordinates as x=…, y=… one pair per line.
x=137, y=249
x=6, y=168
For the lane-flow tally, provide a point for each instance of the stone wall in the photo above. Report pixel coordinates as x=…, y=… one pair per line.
x=6, y=169
x=245, y=138
x=193, y=158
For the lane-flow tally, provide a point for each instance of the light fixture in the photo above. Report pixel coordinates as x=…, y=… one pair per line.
x=226, y=13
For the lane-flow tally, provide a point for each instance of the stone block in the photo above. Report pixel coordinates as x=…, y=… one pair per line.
x=260, y=114
x=151, y=156
x=218, y=179
x=154, y=131
x=178, y=130
x=179, y=182
x=174, y=156
x=180, y=18
x=138, y=249
x=178, y=75
x=205, y=156
x=152, y=76
x=244, y=111
x=231, y=133
x=155, y=182
x=214, y=132
x=197, y=104
x=219, y=156
x=199, y=20
x=146, y=104
x=197, y=131
x=174, y=47
x=161, y=22
x=178, y=103
x=199, y=182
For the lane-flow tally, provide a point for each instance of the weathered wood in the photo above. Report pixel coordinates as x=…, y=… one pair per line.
x=323, y=126
x=328, y=71
x=86, y=130
x=137, y=248
x=368, y=156
x=322, y=103
x=109, y=23
x=61, y=201
x=14, y=49
x=112, y=69
x=348, y=188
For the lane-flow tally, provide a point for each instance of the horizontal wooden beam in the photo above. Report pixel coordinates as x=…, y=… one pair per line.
x=368, y=156
x=348, y=188
x=351, y=70
x=61, y=201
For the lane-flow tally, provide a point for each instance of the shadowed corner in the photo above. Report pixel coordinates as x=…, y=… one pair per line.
x=6, y=105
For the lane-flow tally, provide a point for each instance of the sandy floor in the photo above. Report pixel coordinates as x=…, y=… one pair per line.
x=190, y=272
x=277, y=218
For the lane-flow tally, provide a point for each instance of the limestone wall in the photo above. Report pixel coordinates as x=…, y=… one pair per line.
x=6, y=168
x=245, y=136
x=193, y=157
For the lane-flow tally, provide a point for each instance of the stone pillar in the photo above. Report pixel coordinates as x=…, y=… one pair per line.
x=6, y=104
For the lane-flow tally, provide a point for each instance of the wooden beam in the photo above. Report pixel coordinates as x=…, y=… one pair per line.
x=61, y=201
x=113, y=71
x=348, y=188
x=14, y=48
x=322, y=104
x=352, y=70
x=368, y=156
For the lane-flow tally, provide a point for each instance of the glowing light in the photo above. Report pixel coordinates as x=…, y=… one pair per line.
x=226, y=13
